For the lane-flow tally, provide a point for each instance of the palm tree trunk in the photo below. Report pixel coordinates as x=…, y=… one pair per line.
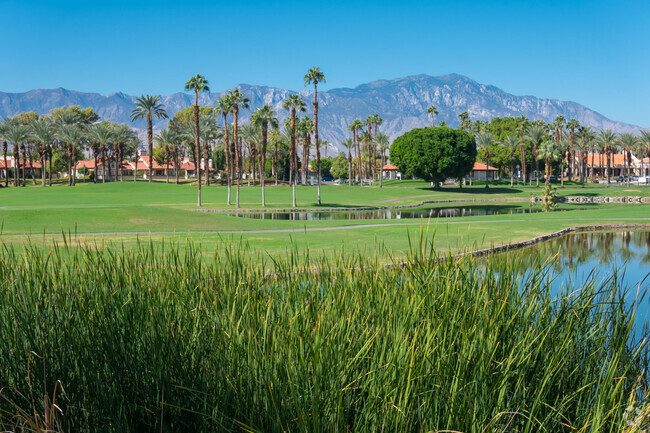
x=150, y=142
x=49, y=155
x=43, y=152
x=381, y=169
x=4, y=155
x=24, y=153
x=536, y=168
x=512, y=169
x=235, y=114
x=316, y=139
x=562, y=173
x=275, y=170
x=629, y=160
x=487, y=166
x=197, y=147
x=226, y=149
x=609, y=163
x=135, y=170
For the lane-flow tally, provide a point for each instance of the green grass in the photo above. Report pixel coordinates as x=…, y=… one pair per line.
x=153, y=339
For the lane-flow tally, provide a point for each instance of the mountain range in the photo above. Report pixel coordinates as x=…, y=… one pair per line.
x=401, y=102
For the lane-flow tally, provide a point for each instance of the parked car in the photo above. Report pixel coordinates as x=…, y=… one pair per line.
x=644, y=180
x=327, y=179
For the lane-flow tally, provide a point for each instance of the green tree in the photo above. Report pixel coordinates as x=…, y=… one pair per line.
x=167, y=140
x=548, y=151
x=643, y=148
x=122, y=137
x=627, y=142
x=100, y=136
x=4, y=127
x=484, y=140
x=511, y=144
x=434, y=154
x=293, y=103
x=465, y=121
x=263, y=118
x=383, y=141
x=607, y=141
x=341, y=166
x=348, y=144
x=535, y=135
x=149, y=107
x=17, y=133
x=582, y=145
x=43, y=133
x=224, y=107
x=238, y=99
x=433, y=112
x=314, y=75
x=573, y=125
x=197, y=84
x=355, y=126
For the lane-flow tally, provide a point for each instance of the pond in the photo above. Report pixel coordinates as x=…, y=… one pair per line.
x=386, y=214
x=596, y=256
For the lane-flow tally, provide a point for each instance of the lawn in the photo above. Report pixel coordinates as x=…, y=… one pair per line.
x=113, y=213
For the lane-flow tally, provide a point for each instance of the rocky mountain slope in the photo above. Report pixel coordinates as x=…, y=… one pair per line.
x=401, y=102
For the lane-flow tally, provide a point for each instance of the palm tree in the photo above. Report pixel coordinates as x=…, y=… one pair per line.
x=197, y=84
x=582, y=144
x=607, y=140
x=355, y=125
x=511, y=142
x=100, y=136
x=572, y=124
x=314, y=75
x=149, y=106
x=43, y=133
x=349, y=144
x=464, y=120
x=535, y=135
x=275, y=137
x=484, y=140
x=17, y=134
x=383, y=142
x=563, y=147
x=306, y=127
x=122, y=135
x=135, y=142
x=365, y=137
x=432, y=111
x=548, y=151
x=643, y=148
x=224, y=106
x=3, y=130
x=237, y=98
x=627, y=142
x=522, y=125
x=293, y=103
x=167, y=139
x=263, y=118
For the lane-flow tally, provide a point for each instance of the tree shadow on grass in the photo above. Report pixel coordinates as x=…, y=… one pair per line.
x=474, y=190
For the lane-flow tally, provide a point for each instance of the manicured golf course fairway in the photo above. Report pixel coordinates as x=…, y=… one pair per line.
x=126, y=213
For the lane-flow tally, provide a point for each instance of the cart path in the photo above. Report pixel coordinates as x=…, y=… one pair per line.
x=317, y=229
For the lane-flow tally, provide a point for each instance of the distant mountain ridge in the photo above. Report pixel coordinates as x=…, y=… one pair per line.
x=401, y=102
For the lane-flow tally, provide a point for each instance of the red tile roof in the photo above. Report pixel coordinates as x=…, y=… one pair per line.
x=389, y=167
x=2, y=163
x=478, y=166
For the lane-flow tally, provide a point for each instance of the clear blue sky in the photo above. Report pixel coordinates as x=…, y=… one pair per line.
x=593, y=52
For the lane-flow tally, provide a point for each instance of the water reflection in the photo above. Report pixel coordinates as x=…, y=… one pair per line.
x=451, y=212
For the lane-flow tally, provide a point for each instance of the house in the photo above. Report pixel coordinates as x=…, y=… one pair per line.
x=391, y=172
x=597, y=165
x=32, y=168
x=480, y=170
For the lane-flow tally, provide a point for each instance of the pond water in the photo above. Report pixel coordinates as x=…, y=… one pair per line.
x=596, y=256
x=437, y=212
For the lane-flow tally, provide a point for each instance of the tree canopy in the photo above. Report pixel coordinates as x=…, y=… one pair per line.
x=434, y=154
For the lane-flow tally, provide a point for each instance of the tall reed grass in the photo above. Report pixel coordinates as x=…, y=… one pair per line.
x=155, y=339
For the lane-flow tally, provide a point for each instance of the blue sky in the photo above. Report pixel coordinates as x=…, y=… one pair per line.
x=595, y=52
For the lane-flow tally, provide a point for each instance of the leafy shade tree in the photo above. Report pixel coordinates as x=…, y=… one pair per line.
x=263, y=118
x=434, y=154
x=149, y=107
x=511, y=143
x=314, y=75
x=433, y=112
x=197, y=84
x=238, y=99
x=484, y=140
x=293, y=103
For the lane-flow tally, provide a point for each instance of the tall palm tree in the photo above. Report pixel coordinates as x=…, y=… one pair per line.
x=355, y=125
x=4, y=126
x=563, y=147
x=365, y=137
x=167, y=139
x=263, y=118
x=549, y=152
x=237, y=98
x=382, y=141
x=68, y=118
x=511, y=142
x=314, y=75
x=535, y=135
x=582, y=144
x=305, y=127
x=17, y=134
x=607, y=140
x=522, y=125
x=293, y=103
x=627, y=142
x=465, y=122
x=224, y=107
x=433, y=112
x=197, y=84
x=100, y=136
x=484, y=140
x=43, y=133
x=349, y=144
x=643, y=148
x=275, y=137
x=572, y=124
x=122, y=135
x=149, y=107
x=74, y=135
